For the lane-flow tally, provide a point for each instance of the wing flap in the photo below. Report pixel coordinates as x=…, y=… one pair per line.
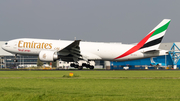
x=71, y=52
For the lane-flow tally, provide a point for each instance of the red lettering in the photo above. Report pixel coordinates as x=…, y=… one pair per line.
x=22, y=50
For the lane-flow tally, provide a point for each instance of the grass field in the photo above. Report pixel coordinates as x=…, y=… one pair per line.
x=90, y=85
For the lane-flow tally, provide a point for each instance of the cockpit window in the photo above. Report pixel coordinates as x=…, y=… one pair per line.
x=6, y=43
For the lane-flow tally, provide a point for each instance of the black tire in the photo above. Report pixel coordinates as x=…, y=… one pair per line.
x=91, y=67
x=80, y=68
x=87, y=66
x=72, y=65
x=83, y=64
x=76, y=66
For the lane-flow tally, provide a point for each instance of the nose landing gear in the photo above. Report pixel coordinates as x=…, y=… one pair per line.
x=15, y=60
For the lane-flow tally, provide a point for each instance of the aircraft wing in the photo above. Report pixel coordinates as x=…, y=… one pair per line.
x=71, y=53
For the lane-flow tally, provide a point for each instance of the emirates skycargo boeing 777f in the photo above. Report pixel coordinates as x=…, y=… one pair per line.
x=74, y=51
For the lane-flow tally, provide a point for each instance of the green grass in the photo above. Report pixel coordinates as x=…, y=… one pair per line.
x=90, y=85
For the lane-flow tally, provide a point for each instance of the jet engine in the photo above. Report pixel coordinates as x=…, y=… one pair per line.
x=45, y=55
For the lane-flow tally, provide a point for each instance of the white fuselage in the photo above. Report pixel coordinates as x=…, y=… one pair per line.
x=89, y=50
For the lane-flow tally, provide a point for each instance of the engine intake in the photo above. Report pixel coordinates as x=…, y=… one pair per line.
x=49, y=56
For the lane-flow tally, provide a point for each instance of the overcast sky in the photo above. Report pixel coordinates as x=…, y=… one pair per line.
x=126, y=21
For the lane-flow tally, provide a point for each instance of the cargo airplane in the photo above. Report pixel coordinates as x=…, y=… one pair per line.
x=74, y=51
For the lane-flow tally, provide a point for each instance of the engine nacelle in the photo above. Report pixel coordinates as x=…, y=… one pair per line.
x=49, y=56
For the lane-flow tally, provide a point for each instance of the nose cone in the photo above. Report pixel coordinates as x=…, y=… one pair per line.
x=5, y=47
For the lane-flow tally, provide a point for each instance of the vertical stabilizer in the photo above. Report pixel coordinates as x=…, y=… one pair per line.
x=151, y=41
x=155, y=37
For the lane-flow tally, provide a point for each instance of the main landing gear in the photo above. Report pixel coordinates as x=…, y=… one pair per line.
x=76, y=65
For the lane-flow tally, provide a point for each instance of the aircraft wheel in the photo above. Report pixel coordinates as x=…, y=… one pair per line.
x=83, y=64
x=87, y=66
x=76, y=66
x=72, y=65
x=91, y=67
x=80, y=68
